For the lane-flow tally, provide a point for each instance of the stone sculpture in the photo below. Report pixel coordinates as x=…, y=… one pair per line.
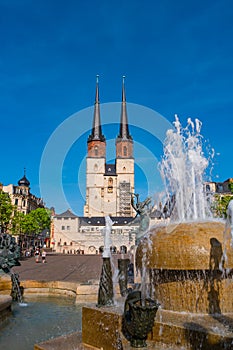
x=9, y=252
x=105, y=294
x=143, y=210
x=138, y=318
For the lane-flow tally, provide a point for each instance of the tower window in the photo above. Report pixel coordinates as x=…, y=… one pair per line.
x=110, y=185
x=96, y=151
x=96, y=166
x=125, y=151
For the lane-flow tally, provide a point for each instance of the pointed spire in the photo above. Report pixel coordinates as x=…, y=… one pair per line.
x=124, y=128
x=96, y=133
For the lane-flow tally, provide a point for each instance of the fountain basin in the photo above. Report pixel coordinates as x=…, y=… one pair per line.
x=5, y=307
x=187, y=268
x=185, y=246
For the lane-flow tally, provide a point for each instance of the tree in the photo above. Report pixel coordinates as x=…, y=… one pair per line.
x=36, y=221
x=231, y=186
x=17, y=222
x=221, y=204
x=6, y=210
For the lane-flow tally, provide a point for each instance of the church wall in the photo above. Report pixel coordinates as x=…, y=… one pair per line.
x=110, y=195
x=95, y=168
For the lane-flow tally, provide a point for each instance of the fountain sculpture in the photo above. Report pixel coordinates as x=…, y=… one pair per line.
x=105, y=294
x=138, y=318
x=123, y=265
x=142, y=209
x=9, y=257
x=9, y=252
x=190, y=260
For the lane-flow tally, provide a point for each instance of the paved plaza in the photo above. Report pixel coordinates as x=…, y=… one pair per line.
x=63, y=267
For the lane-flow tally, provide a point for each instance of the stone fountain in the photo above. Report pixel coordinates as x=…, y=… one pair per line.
x=189, y=262
x=187, y=265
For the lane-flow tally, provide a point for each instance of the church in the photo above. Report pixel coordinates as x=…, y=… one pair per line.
x=108, y=193
x=109, y=186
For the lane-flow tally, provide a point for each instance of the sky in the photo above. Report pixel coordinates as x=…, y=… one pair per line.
x=177, y=58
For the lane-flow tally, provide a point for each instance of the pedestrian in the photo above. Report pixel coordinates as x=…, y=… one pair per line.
x=37, y=255
x=43, y=256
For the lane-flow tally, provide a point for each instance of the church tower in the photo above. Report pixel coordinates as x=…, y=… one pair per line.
x=95, y=163
x=124, y=162
x=109, y=186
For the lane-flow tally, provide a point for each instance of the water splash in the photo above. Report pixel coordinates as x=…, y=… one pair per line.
x=183, y=169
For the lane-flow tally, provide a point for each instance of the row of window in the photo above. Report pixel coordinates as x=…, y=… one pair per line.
x=66, y=218
x=113, y=249
x=65, y=228
x=23, y=202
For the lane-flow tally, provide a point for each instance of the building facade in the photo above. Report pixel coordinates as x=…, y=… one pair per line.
x=71, y=234
x=109, y=186
x=21, y=197
x=220, y=188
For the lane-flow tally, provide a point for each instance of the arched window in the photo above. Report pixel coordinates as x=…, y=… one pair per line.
x=123, y=249
x=95, y=167
x=125, y=153
x=96, y=151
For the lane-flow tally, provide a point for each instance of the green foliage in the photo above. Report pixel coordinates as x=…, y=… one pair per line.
x=10, y=219
x=6, y=210
x=221, y=204
x=231, y=186
x=17, y=222
x=36, y=221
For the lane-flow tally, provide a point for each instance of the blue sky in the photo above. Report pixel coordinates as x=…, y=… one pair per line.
x=177, y=57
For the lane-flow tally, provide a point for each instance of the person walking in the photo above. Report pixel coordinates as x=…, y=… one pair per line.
x=37, y=255
x=43, y=256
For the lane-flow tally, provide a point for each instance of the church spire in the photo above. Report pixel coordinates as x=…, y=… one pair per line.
x=124, y=141
x=96, y=134
x=124, y=128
